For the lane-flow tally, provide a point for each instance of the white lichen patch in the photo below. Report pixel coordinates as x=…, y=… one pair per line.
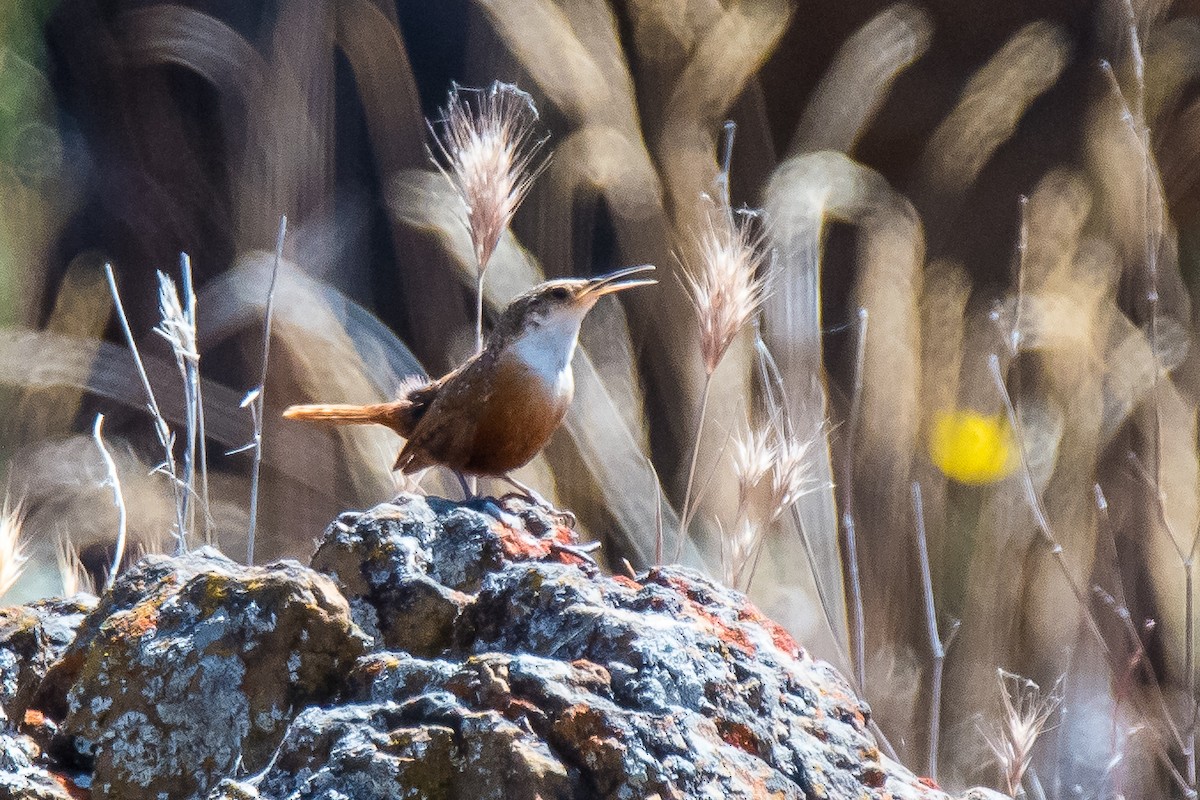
x=99, y=705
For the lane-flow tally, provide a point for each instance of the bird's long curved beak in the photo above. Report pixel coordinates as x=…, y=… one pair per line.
x=616, y=281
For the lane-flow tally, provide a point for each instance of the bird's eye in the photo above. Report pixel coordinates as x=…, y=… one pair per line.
x=560, y=293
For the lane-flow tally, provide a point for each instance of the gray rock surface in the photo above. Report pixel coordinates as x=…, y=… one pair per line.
x=32, y=638
x=20, y=775
x=545, y=679
x=193, y=667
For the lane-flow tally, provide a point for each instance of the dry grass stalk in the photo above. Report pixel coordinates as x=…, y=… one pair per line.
x=114, y=482
x=489, y=154
x=177, y=325
x=255, y=398
x=163, y=431
x=12, y=548
x=726, y=291
x=1025, y=711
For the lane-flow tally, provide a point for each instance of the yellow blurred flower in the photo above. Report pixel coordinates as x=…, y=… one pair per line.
x=972, y=448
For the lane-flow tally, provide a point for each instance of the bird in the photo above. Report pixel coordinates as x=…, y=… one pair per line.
x=498, y=410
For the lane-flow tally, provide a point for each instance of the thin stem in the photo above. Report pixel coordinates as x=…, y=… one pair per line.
x=856, y=605
x=1022, y=252
x=685, y=516
x=1039, y=512
x=848, y=526
x=114, y=481
x=191, y=371
x=257, y=415
x=730, y=129
x=935, y=639
x=479, y=309
x=659, y=534
x=161, y=429
x=189, y=303
x=1190, y=646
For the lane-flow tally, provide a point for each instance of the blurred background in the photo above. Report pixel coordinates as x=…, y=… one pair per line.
x=981, y=236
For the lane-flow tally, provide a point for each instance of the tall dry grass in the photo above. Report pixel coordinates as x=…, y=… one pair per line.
x=972, y=371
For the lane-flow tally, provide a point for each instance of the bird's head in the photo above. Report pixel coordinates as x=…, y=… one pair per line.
x=550, y=313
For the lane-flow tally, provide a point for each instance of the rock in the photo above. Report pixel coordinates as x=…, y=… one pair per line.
x=20, y=775
x=407, y=566
x=544, y=679
x=504, y=666
x=432, y=746
x=32, y=638
x=193, y=667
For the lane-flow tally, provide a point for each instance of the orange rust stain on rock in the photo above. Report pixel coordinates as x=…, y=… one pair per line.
x=738, y=735
x=929, y=783
x=519, y=709
x=782, y=639
x=520, y=546
x=729, y=635
x=694, y=608
x=375, y=668
x=34, y=718
x=136, y=622
x=627, y=582
x=874, y=777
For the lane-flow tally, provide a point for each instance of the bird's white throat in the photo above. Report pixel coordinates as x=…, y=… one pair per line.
x=546, y=350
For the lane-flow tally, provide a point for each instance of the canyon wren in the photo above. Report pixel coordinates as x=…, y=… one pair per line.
x=497, y=411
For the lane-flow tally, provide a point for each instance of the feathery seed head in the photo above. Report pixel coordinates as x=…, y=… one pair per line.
x=791, y=478
x=175, y=327
x=753, y=456
x=725, y=289
x=71, y=571
x=12, y=550
x=487, y=150
x=772, y=473
x=1025, y=712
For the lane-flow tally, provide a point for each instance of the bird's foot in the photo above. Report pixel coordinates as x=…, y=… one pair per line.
x=525, y=492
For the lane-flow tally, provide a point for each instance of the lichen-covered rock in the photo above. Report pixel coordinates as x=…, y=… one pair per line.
x=406, y=566
x=551, y=681
x=32, y=638
x=431, y=746
x=193, y=666
x=504, y=666
x=20, y=776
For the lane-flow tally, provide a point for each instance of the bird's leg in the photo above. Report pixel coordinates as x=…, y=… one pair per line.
x=466, y=487
x=566, y=516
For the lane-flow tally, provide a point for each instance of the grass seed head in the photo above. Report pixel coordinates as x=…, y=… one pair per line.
x=726, y=288
x=489, y=153
x=71, y=571
x=174, y=326
x=772, y=472
x=12, y=548
x=1025, y=710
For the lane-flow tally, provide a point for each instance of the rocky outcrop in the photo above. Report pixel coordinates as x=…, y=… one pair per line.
x=443, y=650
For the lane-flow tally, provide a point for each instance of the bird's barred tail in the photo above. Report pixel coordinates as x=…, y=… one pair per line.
x=381, y=413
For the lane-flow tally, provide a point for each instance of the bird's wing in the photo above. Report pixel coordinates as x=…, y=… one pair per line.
x=446, y=419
